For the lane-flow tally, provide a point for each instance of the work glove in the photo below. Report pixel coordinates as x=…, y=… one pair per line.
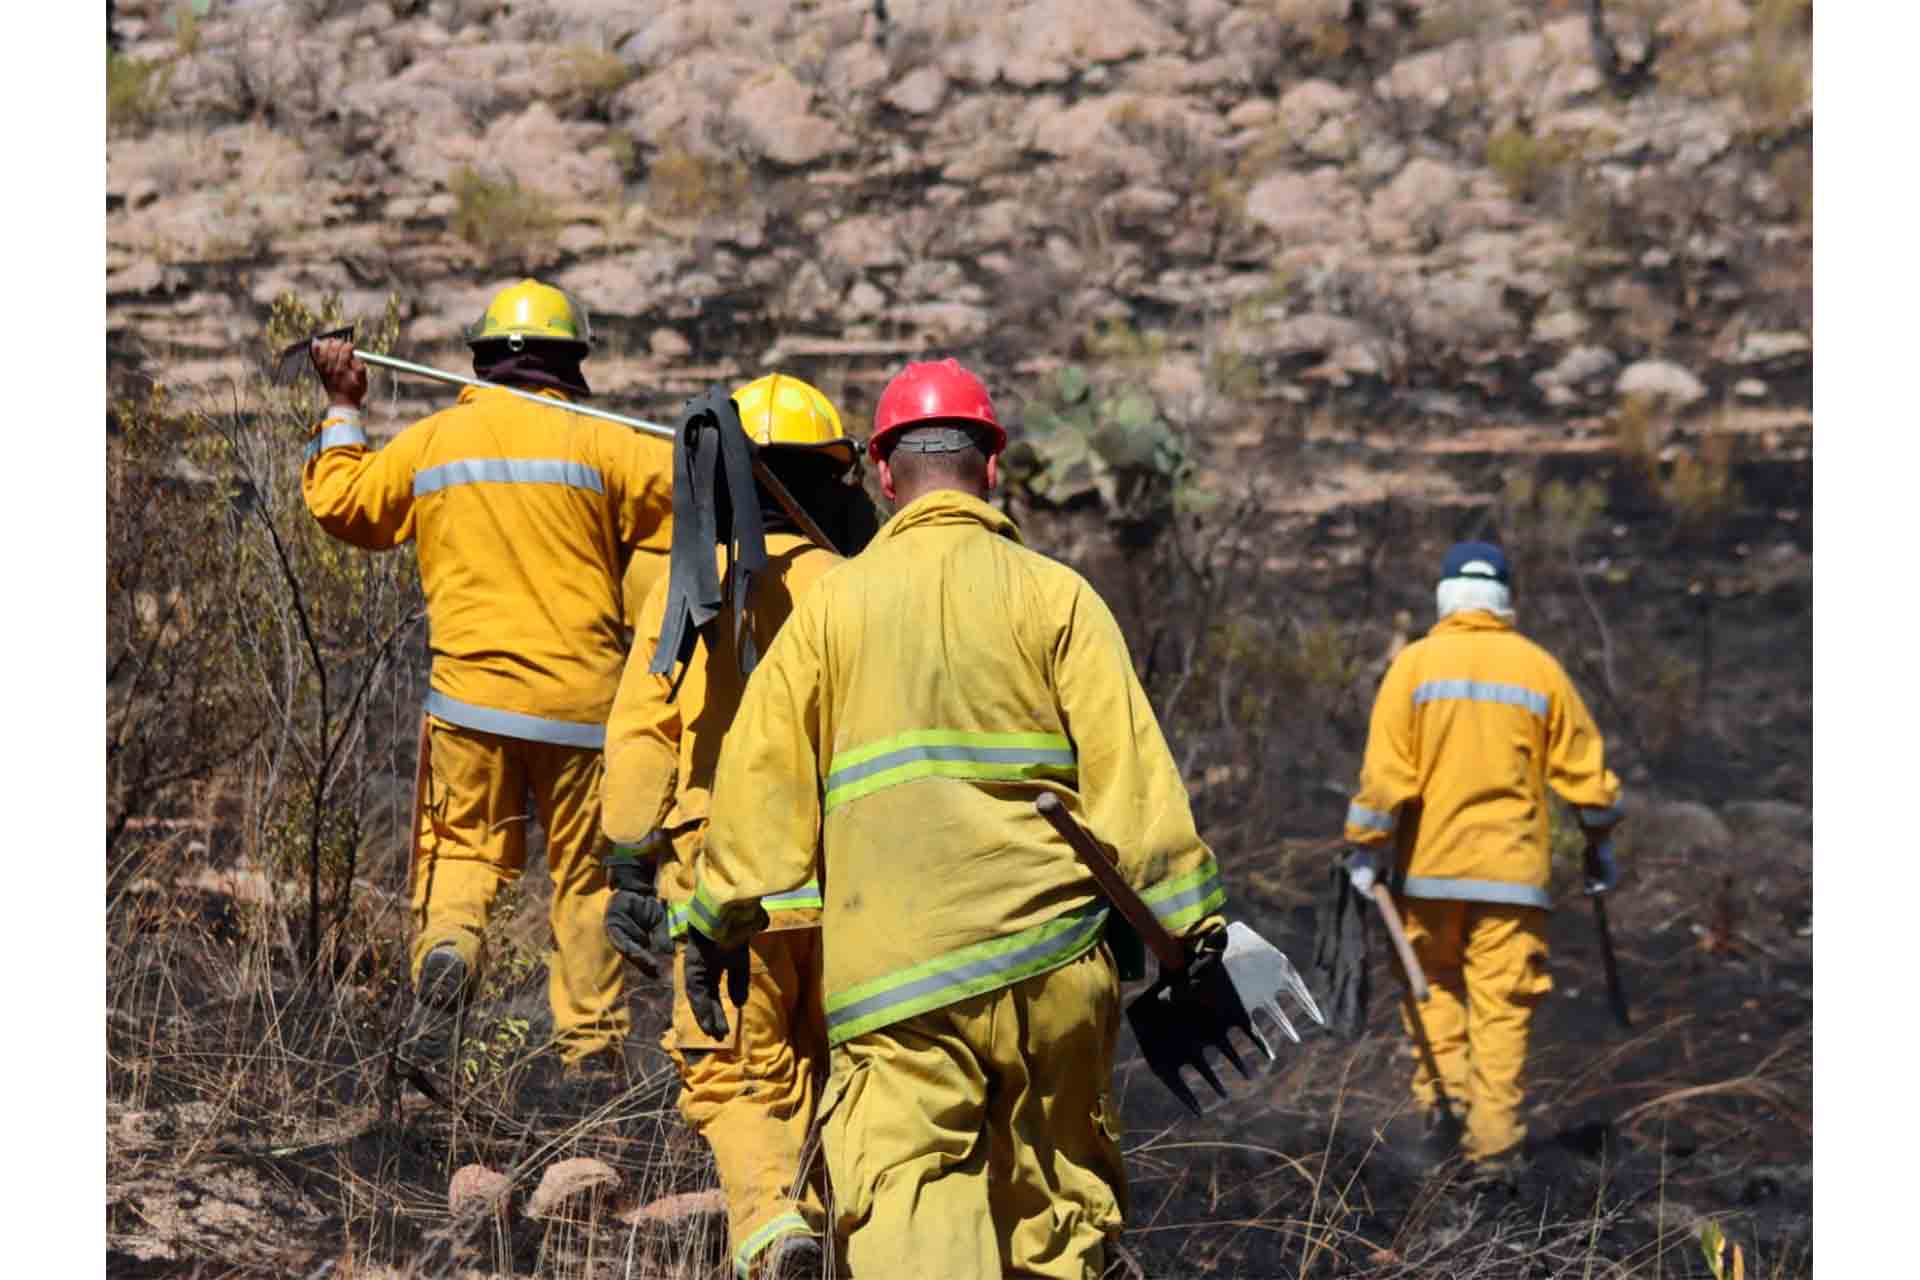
x=1360, y=869
x=708, y=965
x=636, y=920
x=1603, y=873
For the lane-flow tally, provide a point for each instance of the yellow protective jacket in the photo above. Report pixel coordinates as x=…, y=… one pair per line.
x=1472, y=724
x=524, y=519
x=661, y=754
x=891, y=744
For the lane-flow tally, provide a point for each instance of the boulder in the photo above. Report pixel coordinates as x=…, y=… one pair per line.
x=1302, y=208
x=1580, y=365
x=476, y=1189
x=568, y=1184
x=1661, y=381
x=920, y=92
x=545, y=153
x=1677, y=827
x=773, y=110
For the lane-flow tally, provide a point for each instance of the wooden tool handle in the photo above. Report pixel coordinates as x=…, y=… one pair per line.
x=1166, y=948
x=1416, y=979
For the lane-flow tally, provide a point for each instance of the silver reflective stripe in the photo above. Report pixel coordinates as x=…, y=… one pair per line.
x=786, y=1224
x=512, y=724
x=1598, y=817
x=807, y=895
x=577, y=475
x=1503, y=892
x=1358, y=815
x=338, y=436
x=1512, y=695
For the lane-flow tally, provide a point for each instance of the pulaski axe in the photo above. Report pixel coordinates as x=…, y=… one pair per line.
x=1197, y=999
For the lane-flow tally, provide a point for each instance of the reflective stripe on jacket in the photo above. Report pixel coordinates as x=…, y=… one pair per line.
x=661, y=754
x=903, y=722
x=524, y=519
x=1472, y=724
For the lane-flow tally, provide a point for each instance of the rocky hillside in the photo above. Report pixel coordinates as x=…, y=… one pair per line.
x=1421, y=208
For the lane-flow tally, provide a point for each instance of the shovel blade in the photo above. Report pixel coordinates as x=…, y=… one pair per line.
x=1261, y=973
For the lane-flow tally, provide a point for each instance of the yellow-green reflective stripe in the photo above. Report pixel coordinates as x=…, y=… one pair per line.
x=972, y=770
x=944, y=738
x=968, y=971
x=1186, y=898
x=677, y=920
x=784, y=1225
x=807, y=895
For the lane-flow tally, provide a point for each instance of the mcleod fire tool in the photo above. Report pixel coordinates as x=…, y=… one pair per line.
x=1195, y=1000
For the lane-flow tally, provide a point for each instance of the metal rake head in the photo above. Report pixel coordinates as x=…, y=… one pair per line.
x=1184, y=1014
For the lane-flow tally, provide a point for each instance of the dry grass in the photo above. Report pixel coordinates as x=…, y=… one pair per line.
x=499, y=216
x=684, y=185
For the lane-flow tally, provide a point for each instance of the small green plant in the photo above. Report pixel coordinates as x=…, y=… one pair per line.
x=1714, y=1248
x=625, y=155
x=586, y=79
x=681, y=184
x=135, y=90
x=499, y=216
x=1701, y=489
x=1525, y=162
x=185, y=20
x=1776, y=82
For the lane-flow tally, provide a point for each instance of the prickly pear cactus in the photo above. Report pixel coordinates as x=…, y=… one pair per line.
x=1081, y=441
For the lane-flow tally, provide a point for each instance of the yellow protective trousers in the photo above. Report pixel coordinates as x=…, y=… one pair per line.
x=473, y=840
x=1486, y=967
x=753, y=1096
x=978, y=1139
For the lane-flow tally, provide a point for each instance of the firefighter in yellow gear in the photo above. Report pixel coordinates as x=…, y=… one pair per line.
x=524, y=519
x=752, y=1092
x=890, y=747
x=1472, y=724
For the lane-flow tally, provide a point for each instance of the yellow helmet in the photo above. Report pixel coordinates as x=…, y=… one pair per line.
x=531, y=310
x=780, y=411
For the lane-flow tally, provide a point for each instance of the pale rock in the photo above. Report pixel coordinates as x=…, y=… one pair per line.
x=1305, y=17
x=1578, y=366
x=476, y=1189
x=668, y=344
x=1141, y=208
x=550, y=155
x=919, y=93
x=1559, y=326
x=673, y=31
x=865, y=299
x=1561, y=398
x=1421, y=192
x=1705, y=22
x=678, y=1210
x=864, y=243
x=1462, y=312
x=577, y=238
x=568, y=1181
x=1750, y=389
x=1157, y=75
x=142, y=193
x=773, y=110
x=855, y=69
x=945, y=323
x=1178, y=380
x=1765, y=347
x=1252, y=113
x=996, y=223
x=809, y=295
x=632, y=278
x=1770, y=816
x=1662, y=381
x=1678, y=826
x=1065, y=255
x=1310, y=104
x=144, y=277
x=1301, y=208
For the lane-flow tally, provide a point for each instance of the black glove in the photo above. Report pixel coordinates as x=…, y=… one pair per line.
x=707, y=964
x=636, y=920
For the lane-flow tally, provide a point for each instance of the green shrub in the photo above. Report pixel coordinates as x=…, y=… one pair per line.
x=135, y=90
x=681, y=184
x=1526, y=162
x=499, y=216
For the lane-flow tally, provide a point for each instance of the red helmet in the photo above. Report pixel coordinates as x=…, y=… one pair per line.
x=928, y=390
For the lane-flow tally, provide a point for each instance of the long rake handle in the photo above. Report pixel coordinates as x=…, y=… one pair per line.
x=1416, y=977
x=761, y=472
x=1166, y=948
